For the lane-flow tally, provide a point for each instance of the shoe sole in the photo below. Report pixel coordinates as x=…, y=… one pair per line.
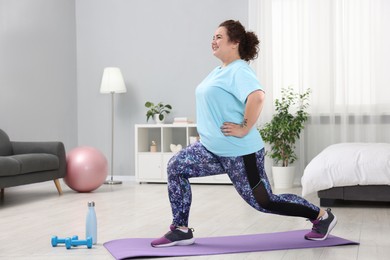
x=331, y=226
x=186, y=242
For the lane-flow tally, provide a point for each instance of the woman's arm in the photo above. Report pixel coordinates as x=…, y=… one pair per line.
x=254, y=105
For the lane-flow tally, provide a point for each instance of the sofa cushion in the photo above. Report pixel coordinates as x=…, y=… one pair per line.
x=9, y=166
x=28, y=163
x=5, y=144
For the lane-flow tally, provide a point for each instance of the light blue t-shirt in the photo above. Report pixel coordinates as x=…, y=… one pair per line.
x=221, y=97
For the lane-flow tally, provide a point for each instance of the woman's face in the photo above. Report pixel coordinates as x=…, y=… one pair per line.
x=221, y=45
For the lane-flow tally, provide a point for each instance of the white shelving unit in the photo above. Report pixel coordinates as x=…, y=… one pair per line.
x=152, y=166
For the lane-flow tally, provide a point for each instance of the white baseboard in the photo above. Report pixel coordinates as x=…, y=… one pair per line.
x=122, y=178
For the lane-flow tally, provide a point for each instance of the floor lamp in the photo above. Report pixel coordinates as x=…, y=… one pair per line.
x=112, y=82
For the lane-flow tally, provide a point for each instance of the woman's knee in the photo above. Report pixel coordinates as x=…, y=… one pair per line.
x=175, y=167
x=171, y=167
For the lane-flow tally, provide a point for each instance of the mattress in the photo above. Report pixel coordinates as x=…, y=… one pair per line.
x=347, y=164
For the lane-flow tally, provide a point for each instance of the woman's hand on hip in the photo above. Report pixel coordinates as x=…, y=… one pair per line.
x=233, y=129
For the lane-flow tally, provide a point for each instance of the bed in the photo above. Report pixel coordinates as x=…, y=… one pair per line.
x=349, y=172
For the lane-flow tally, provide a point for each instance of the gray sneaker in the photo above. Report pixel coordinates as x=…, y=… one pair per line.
x=175, y=237
x=322, y=227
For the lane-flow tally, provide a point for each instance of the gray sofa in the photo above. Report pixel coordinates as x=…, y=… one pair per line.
x=30, y=162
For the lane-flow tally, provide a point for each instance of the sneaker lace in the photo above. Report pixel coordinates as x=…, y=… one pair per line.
x=175, y=227
x=315, y=223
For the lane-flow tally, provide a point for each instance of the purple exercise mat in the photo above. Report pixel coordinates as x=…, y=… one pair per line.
x=140, y=247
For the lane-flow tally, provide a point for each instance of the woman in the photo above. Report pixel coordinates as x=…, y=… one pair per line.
x=229, y=101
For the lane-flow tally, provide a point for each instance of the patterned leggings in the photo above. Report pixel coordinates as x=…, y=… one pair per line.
x=247, y=175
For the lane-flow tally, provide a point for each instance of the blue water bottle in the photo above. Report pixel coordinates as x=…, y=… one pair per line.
x=91, y=223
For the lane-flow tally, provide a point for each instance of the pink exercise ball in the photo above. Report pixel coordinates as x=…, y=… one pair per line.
x=86, y=169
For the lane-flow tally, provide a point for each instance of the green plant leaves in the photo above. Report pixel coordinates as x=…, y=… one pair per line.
x=160, y=109
x=284, y=129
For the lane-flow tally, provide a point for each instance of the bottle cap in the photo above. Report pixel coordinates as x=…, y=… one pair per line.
x=91, y=204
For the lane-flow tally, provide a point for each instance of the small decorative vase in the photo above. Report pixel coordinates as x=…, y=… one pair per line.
x=157, y=119
x=153, y=147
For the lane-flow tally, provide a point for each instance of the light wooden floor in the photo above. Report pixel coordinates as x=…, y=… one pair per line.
x=31, y=214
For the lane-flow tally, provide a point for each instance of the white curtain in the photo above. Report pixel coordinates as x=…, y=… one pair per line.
x=338, y=48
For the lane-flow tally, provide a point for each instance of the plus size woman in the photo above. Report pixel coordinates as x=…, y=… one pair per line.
x=228, y=103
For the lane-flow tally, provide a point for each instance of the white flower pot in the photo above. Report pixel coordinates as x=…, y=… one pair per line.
x=283, y=177
x=157, y=119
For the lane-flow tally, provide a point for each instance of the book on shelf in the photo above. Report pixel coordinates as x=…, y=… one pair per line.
x=182, y=120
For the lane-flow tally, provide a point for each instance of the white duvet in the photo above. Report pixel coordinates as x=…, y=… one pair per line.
x=348, y=164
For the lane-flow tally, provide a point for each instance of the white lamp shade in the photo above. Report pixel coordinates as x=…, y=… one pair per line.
x=112, y=81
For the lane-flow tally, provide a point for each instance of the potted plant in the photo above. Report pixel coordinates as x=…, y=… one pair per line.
x=157, y=111
x=282, y=132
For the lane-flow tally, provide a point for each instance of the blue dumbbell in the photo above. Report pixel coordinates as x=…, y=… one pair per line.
x=69, y=242
x=56, y=240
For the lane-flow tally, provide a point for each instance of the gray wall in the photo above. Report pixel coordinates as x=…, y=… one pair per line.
x=52, y=56
x=38, y=70
x=163, y=49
